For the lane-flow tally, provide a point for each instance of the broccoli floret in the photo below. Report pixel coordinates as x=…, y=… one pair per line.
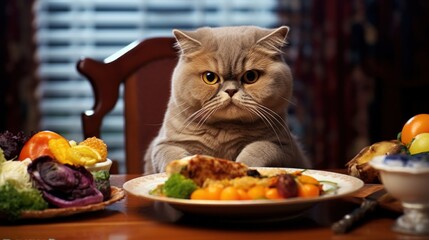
x=14, y=201
x=178, y=186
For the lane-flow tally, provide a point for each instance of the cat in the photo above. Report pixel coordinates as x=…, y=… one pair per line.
x=230, y=92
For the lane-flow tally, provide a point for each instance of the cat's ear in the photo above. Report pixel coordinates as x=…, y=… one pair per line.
x=275, y=40
x=185, y=42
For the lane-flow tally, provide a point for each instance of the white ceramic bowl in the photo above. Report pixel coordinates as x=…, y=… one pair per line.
x=407, y=180
x=100, y=166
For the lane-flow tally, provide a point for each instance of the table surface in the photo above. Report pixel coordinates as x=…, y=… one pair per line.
x=135, y=218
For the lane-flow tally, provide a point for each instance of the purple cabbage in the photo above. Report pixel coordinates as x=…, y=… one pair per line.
x=63, y=185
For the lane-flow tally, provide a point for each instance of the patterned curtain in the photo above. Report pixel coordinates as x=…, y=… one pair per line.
x=18, y=95
x=356, y=66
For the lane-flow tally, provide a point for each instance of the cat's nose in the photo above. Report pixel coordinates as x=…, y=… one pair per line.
x=231, y=92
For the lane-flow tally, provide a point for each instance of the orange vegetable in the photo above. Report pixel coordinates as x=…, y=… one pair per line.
x=229, y=193
x=243, y=194
x=200, y=194
x=303, y=185
x=213, y=193
x=38, y=145
x=305, y=179
x=272, y=193
x=308, y=190
x=256, y=192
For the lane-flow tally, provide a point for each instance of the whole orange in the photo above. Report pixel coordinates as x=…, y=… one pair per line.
x=38, y=145
x=414, y=126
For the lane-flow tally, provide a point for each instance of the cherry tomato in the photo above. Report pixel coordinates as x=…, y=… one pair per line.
x=200, y=194
x=308, y=190
x=38, y=145
x=242, y=194
x=213, y=193
x=272, y=193
x=229, y=193
x=420, y=144
x=414, y=126
x=256, y=192
x=307, y=179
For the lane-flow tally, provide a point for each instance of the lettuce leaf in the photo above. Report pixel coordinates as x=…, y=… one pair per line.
x=13, y=201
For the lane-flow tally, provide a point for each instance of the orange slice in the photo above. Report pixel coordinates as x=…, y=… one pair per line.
x=60, y=149
x=96, y=144
x=84, y=156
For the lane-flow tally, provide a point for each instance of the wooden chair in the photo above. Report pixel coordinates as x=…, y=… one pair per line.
x=144, y=68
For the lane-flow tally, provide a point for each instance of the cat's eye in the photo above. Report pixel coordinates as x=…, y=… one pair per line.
x=250, y=76
x=210, y=78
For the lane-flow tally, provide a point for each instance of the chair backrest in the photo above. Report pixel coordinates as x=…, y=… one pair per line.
x=145, y=69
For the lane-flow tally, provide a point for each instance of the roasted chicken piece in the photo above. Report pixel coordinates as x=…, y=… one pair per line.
x=202, y=167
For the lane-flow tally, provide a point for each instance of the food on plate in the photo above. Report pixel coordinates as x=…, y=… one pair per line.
x=200, y=167
x=201, y=177
x=359, y=166
x=278, y=186
x=53, y=172
x=178, y=186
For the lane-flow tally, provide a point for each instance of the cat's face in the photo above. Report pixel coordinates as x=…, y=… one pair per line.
x=231, y=73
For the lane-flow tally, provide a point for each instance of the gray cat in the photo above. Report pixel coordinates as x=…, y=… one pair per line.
x=230, y=93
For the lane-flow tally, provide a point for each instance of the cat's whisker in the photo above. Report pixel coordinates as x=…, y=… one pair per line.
x=209, y=112
x=273, y=115
x=192, y=118
x=277, y=118
x=269, y=117
x=266, y=120
x=282, y=122
x=289, y=101
x=179, y=113
x=198, y=114
x=210, y=109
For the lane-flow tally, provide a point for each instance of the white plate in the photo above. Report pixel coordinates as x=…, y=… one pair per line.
x=141, y=187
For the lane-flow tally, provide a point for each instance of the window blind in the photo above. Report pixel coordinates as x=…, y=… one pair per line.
x=68, y=30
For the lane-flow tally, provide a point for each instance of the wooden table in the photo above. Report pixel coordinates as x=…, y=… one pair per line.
x=134, y=218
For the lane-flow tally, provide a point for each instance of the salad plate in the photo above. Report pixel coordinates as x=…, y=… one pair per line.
x=116, y=195
x=345, y=185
